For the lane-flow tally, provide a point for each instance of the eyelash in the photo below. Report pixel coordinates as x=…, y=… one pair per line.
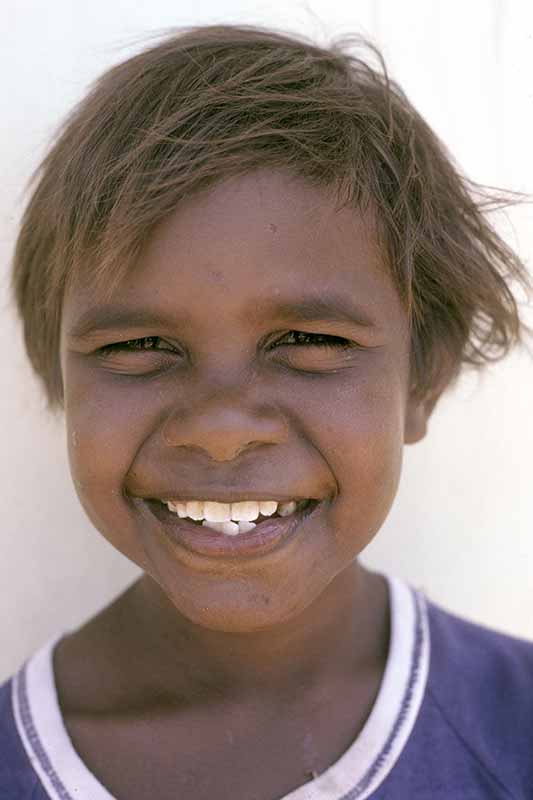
x=132, y=345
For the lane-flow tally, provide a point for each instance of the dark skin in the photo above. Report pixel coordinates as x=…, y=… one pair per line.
x=219, y=677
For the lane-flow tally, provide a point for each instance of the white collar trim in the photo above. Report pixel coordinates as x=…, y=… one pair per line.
x=356, y=774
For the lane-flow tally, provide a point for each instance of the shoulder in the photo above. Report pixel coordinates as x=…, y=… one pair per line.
x=481, y=659
x=481, y=683
x=17, y=777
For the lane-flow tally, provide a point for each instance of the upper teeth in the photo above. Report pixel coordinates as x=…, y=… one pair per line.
x=245, y=510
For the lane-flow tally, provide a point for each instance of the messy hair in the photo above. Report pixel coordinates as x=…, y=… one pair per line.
x=211, y=102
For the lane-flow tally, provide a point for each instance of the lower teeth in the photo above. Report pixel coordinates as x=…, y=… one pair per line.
x=235, y=528
x=230, y=528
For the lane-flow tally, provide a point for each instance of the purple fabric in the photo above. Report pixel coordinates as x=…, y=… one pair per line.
x=18, y=781
x=473, y=738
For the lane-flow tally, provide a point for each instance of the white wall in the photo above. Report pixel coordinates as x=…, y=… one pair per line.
x=462, y=526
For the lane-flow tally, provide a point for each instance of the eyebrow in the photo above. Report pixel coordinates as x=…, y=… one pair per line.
x=111, y=317
x=314, y=308
x=322, y=308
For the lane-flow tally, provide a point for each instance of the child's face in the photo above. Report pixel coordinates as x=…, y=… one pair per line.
x=228, y=404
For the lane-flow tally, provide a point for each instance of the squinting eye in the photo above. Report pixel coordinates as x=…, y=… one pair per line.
x=296, y=339
x=136, y=345
x=316, y=339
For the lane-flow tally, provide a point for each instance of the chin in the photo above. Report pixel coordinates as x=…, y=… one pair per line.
x=251, y=612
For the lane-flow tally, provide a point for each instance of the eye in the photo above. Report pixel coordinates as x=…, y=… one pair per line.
x=137, y=345
x=316, y=340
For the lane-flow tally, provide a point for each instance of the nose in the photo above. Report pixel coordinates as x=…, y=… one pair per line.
x=225, y=424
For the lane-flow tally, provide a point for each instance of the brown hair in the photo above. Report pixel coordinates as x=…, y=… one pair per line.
x=211, y=102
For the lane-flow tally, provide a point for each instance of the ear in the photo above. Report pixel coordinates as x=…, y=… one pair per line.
x=419, y=410
x=417, y=415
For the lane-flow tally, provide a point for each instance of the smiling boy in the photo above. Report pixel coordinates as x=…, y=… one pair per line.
x=257, y=271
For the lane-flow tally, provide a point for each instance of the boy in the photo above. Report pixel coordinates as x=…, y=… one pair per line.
x=247, y=273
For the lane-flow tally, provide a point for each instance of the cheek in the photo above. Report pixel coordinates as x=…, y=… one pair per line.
x=107, y=421
x=104, y=432
x=97, y=447
x=365, y=435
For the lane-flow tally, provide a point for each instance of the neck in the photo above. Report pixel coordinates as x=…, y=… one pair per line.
x=344, y=633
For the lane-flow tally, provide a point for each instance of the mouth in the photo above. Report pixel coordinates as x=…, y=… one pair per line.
x=256, y=531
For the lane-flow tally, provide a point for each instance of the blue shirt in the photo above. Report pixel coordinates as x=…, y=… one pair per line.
x=453, y=719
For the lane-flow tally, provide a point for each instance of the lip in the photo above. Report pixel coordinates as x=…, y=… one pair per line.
x=266, y=537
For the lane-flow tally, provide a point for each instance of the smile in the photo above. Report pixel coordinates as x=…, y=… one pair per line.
x=231, y=538
x=232, y=519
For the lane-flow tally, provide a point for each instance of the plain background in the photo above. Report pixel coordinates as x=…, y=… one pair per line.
x=462, y=524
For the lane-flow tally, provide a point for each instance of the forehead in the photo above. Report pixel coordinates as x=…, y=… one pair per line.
x=251, y=243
